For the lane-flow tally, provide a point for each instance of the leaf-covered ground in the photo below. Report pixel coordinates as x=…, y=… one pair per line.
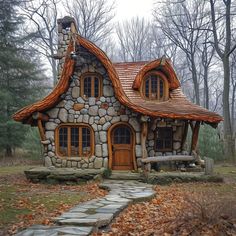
x=182, y=209
x=23, y=203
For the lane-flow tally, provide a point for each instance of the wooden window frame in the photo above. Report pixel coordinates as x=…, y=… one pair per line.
x=155, y=139
x=162, y=77
x=80, y=126
x=100, y=88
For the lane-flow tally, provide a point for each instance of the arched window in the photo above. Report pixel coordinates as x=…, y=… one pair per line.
x=74, y=141
x=155, y=87
x=91, y=85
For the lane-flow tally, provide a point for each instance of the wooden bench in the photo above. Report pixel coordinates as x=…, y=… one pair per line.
x=168, y=158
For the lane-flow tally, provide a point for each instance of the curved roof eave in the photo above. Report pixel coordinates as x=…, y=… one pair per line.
x=68, y=69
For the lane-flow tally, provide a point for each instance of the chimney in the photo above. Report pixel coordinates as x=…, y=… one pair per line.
x=66, y=29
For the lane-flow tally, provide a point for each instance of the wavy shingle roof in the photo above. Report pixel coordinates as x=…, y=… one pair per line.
x=126, y=79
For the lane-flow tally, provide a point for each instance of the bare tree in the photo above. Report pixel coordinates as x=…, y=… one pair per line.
x=233, y=87
x=43, y=18
x=207, y=52
x=222, y=31
x=133, y=38
x=182, y=24
x=93, y=18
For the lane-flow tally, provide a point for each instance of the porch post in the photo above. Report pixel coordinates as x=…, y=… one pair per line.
x=144, y=138
x=195, y=136
x=41, y=130
x=185, y=133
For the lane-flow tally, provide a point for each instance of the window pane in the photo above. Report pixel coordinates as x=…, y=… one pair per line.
x=154, y=84
x=164, y=139
x=122, y=135
x=161, y=88
x=147, y=88
x=63, y=144
x=74, y=141
x=96, y=87
x=87, y=86
x=86, y=149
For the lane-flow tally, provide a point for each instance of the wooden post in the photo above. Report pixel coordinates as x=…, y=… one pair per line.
x=143, y=139
x=185, y=133
x=195, y=136
x=41, y=130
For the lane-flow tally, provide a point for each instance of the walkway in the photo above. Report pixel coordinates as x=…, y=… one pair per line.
x=87, y=217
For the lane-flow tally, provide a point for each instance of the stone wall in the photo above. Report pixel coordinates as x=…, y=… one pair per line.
x=100, y=114
x=178, y=128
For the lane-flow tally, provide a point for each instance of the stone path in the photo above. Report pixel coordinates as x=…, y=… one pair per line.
x=87, y=217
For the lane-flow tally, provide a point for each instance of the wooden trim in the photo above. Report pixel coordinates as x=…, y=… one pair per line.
x=195, y=136
x=69, y=140
x=144, y=131
x=160, y=76
x=41, y=130
x=109, y=142
x=185, y=134
x=92, y=75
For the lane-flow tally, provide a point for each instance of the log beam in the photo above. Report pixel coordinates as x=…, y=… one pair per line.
x=41, y=130
x=168, y=158
x=195, y=136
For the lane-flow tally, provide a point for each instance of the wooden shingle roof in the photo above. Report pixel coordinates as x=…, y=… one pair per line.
x=126, y=79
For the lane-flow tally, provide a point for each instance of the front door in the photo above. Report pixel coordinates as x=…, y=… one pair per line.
x=122, y=148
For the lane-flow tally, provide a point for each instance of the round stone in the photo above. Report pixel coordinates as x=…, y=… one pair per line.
x=93, y=110
x=102, y=112
x=63, y=115
x=75, y=93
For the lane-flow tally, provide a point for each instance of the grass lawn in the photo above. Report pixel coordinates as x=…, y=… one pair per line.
x=23, y=203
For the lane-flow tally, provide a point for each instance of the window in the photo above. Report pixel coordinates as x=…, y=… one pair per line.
x=74, y=141
x=91, y=86
x=155, y=87
x=122, y=135
x=164, y=139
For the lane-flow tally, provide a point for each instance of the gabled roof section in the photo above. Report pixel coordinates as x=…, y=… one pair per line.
x=126, y=79
x=162, y=65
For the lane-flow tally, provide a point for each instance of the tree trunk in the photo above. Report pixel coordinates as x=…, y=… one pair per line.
x=228, y=134
x=206, y=88
x=195, y=80
x=8, y=151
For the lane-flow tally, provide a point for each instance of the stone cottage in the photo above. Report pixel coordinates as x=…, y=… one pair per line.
x=112, y=115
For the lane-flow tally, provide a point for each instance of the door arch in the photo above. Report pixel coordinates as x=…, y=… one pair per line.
x=121, y=147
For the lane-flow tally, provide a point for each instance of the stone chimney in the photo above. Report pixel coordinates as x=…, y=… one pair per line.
x=66, y=30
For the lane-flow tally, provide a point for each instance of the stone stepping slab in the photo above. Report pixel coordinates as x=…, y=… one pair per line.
x=86, y=217
x=41, y=230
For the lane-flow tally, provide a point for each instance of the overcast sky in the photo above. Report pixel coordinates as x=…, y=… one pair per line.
x=126, y=9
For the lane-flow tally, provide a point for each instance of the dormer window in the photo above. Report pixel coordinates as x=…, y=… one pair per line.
x=155, y=87
x=91, y=85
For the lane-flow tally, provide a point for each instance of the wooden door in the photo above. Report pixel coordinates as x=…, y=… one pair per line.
x=122, y=148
